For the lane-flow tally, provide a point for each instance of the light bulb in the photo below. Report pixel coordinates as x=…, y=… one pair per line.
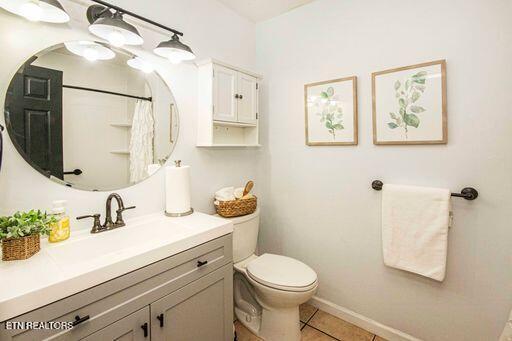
x=146, y=68
x=174, y=59
x=140, y=64
x=91, y=54
x=31, y=10
x=116, y=38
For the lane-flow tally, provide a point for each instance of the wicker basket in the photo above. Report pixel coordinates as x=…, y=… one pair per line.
x=20, y=248
x=236, y=208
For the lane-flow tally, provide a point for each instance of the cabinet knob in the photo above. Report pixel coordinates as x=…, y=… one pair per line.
x=237, y=96
x=145, y=329
x=241, y=96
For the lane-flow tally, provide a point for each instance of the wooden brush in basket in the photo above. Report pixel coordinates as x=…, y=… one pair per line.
x=234, y=208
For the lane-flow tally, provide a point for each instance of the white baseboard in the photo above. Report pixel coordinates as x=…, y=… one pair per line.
x=361, y=321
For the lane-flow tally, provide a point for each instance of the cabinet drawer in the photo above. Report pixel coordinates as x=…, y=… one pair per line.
x=119, y=297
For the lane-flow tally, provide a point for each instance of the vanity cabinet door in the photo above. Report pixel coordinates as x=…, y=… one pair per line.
x=134, y=327
x=224, y=92
x=248, y=98
x=202, y=310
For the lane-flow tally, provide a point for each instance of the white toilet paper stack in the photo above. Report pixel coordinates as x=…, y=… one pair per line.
x=177, y=190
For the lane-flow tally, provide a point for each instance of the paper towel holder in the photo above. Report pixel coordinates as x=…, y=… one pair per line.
x=177, y=163
x=177, y=215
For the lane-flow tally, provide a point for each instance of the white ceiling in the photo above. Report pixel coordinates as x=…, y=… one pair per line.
x=260, y=10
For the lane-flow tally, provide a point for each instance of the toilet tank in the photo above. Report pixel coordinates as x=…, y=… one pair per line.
x=245, y=235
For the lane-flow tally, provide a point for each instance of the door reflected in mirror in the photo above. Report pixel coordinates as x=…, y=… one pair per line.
x=91, y=117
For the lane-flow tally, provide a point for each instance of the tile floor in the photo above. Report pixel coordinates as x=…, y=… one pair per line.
x=318, y=325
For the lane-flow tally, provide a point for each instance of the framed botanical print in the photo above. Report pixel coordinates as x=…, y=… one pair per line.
x=331, y=112
x=409, y=105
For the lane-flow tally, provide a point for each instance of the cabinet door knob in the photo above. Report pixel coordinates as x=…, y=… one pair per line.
x=201, y=263
x=237, y=96
x=145, y=329
x=161, y=319
x=241, y=96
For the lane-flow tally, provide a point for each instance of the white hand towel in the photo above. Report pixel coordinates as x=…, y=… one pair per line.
x=415, y=229
x=225, y=194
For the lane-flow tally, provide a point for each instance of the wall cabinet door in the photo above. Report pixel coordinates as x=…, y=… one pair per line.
x=224, y=91
x=248, y=100
x=202, y=310
x=134, y=327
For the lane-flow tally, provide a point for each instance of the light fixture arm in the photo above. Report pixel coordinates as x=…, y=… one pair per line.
x=101, y=12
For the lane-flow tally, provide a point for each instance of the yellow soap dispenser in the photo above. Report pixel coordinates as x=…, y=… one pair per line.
x=59, y=230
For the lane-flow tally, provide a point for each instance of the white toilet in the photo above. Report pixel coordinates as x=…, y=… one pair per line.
x=268, y=289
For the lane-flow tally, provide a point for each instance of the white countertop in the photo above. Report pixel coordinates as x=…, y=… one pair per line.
x=85, y=260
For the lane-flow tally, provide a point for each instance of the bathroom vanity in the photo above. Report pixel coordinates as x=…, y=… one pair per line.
x=157, y=278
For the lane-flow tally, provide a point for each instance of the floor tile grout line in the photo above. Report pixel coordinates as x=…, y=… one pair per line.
x=321, y=331
x=309, y=319
x=312, y=315
x=317, y=309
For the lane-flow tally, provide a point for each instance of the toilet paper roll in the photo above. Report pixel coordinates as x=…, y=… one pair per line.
x=177, y=190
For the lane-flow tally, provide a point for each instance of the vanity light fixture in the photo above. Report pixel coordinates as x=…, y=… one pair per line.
x=90, y=50
x=37, y=10
x=174, y=50
x=101, y=14
x=114, y=29
x=140, y=64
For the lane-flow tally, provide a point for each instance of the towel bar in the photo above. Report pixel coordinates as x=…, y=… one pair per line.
x=468, y=193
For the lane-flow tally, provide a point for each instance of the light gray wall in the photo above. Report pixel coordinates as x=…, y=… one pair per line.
x=210, y=29
x=319, y=207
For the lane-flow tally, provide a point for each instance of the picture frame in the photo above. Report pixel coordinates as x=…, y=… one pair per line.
x=331, y=112
x=409, y=105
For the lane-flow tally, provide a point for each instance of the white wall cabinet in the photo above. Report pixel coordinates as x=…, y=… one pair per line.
x=228, y=106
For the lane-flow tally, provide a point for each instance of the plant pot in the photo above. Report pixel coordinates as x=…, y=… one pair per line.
x=20, y=248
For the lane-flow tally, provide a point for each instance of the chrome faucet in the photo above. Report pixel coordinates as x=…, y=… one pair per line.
x=109, y=224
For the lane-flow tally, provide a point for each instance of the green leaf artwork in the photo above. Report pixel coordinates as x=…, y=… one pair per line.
x=408, y=93
x=330, y=112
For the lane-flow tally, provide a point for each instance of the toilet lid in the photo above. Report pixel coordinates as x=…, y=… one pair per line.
x=281, y=272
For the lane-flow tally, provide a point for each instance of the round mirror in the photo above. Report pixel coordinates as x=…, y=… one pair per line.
x=91, y=117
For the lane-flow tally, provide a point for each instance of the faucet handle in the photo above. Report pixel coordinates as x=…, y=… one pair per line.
x=96, y=225
x=119, y=218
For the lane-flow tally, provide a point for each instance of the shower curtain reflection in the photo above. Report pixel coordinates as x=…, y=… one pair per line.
x=141, y=141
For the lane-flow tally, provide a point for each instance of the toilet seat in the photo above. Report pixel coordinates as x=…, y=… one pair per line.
x=281, y=273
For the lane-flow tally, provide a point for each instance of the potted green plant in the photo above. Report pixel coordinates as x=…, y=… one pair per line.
x=21, y=232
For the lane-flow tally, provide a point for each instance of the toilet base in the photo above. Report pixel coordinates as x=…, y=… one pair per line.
x=273, y=325
x=280, y=324
x=252, y=323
